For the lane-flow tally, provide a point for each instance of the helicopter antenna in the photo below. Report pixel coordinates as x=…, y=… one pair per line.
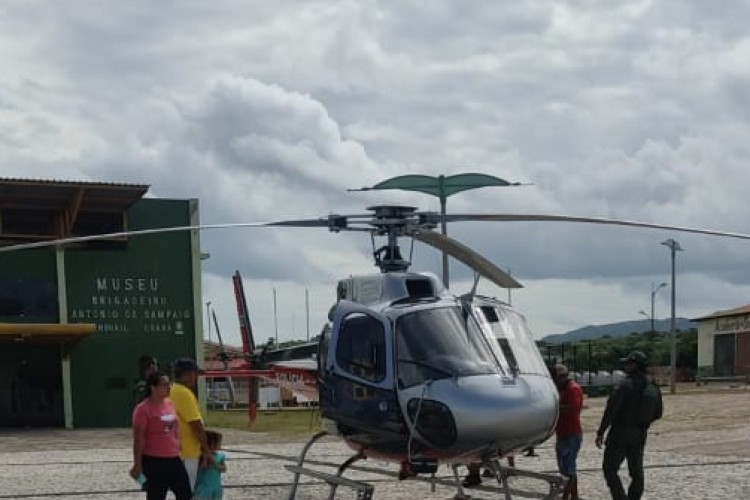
x=473, y=291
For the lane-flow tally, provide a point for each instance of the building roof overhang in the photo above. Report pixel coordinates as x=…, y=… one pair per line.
x=738, y=311
x=38, y=210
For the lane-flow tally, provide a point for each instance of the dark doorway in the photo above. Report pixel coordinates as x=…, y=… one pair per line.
x=31, y=392
x=724, y=355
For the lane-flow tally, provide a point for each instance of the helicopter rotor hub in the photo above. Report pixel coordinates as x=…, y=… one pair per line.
x=392, y=222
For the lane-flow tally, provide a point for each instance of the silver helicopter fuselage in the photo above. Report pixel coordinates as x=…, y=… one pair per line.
x=468, y=377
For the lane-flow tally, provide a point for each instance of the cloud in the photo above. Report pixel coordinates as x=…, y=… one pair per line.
x=635, y=110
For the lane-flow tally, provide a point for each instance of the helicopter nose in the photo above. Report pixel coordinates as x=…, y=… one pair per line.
x=486, y=409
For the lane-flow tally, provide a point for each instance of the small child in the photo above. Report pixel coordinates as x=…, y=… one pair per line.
x=208, y=485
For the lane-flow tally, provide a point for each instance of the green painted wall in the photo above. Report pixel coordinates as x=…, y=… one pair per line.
x=141, y=298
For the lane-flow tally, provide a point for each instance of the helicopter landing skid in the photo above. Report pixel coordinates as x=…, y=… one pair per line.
x=555, y=481
x=364, y=490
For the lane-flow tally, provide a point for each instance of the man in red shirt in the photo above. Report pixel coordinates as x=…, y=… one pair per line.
x=569, y=431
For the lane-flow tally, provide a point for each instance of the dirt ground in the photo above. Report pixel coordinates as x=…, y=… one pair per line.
x=699, y=450
x=710, y=420
x=691, y=413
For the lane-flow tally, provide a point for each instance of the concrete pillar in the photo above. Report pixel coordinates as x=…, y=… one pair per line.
x=62, y=306
x=195, y=252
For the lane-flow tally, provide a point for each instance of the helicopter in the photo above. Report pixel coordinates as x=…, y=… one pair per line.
x=410, y=372
x=292, y=368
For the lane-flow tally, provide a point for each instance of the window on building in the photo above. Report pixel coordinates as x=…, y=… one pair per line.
x=28, y=299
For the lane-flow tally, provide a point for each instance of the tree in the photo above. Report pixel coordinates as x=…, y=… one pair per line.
x=607, y=351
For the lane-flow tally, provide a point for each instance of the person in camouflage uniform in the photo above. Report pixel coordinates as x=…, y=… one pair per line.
x=627, y=437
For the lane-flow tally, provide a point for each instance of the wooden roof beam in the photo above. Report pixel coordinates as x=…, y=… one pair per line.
x=71, y=212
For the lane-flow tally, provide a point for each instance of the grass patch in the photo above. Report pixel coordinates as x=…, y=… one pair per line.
x=297, y=421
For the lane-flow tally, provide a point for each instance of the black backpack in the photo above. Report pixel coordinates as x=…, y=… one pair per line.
x=650, y=406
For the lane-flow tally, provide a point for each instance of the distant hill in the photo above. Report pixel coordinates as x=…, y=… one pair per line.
x=618, y=330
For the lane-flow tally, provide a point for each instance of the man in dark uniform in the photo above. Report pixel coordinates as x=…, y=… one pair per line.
x=626, y=438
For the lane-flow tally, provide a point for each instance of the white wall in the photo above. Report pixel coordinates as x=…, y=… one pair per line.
x=706, y=333
x=269, y=397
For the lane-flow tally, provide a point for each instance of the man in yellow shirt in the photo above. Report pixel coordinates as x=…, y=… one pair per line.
x=193, y=445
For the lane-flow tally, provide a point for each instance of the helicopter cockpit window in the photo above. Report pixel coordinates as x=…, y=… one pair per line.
x=525, y=339
x=510, y=358
x=419, y=288
x=514, y=339
x=487, y=316
x=434, y=344
x=325, y=340
x=360, y=349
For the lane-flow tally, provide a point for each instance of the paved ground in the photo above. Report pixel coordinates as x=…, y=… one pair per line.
x=700, y=450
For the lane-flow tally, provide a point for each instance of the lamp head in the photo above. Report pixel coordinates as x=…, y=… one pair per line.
x=673, y=244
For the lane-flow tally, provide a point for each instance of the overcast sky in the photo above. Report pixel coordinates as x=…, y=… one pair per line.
x=271, y=109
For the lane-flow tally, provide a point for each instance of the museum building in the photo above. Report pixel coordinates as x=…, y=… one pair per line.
x=75, y=318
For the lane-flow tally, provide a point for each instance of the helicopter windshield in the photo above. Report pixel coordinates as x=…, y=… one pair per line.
x=436, y=343
x=514, y=339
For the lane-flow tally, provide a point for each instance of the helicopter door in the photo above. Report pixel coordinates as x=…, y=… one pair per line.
x=358, y=376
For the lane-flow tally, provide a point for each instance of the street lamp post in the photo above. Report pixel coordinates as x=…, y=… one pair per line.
x=208, y=318
x=653, y=296
x=275, y=321
x=442, y=187
x=674, y=247
x=307, y=313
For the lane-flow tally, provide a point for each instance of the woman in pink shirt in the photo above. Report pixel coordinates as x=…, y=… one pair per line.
x=156, y=444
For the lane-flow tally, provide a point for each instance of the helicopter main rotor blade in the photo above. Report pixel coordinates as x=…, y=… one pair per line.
x=590, y=220
x=461, y=252
x=161, y=230
x=334, y=222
